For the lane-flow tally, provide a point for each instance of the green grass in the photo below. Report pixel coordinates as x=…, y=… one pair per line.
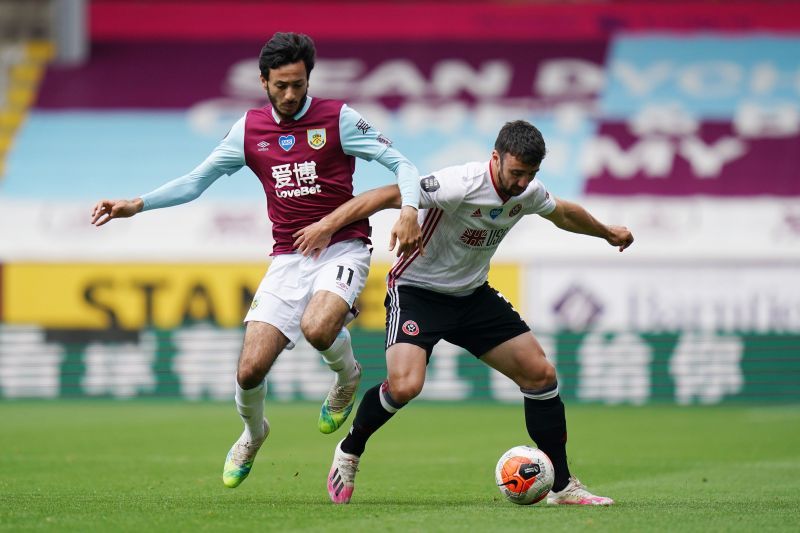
x=156, y=466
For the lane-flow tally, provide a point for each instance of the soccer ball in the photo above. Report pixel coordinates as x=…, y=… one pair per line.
x=524, y=475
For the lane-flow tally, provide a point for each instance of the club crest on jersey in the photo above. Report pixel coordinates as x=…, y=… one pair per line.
x=316, y=138
x=410, y=328
x=429, y=184
x=286, y=142
x=494, y=213
x=514, y=210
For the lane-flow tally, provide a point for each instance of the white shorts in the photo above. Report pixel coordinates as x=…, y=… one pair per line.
x=292, y=280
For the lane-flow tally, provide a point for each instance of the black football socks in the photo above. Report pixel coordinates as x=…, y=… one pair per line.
x=376, y=408
x=547, y=426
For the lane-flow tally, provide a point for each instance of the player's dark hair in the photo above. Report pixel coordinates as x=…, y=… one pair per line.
x=522, y=140
x=285, y=49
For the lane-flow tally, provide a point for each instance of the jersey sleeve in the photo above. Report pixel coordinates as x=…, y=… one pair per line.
x=360, y=139
x=227, y=158
x=541, y=202
x=444, y=189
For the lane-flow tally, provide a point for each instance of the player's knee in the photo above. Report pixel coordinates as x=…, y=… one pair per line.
x=249, y=376
x=548, y=375
x=404, y=390
x=319, y=336
x=541, y=376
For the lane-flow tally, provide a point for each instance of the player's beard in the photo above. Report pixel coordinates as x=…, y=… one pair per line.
x=274, y=102
x=513, y=191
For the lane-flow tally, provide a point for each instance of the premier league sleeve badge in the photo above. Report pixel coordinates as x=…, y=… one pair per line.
x=429, y=184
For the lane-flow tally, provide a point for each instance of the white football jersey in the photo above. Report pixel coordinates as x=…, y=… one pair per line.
x=463, y=218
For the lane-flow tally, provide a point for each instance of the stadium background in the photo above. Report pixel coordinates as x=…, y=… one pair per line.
x=678, y=119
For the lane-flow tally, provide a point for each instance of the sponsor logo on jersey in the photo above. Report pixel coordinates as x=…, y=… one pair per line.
x=296, y=180
x=495, y=236
x=429, y=184
x=514, y=210
x=286, y=142
x=255, y=303
x=316, y=138
x=363, y=126
x=263, y=146
x=473, y=237
x=410, y=328
x=384, y=140
x=494, y=213
x=479, y=238
x=300, y=191
x=476, y=213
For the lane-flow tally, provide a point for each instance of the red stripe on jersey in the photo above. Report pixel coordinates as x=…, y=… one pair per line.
x=393, y=273
x=400, y=265
x=428, y=226
x=500, y=193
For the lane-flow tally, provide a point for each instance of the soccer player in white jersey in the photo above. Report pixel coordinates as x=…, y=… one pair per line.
x=465, y=213
x=303, y=151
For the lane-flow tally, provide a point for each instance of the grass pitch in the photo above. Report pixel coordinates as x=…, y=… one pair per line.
x=156, y=466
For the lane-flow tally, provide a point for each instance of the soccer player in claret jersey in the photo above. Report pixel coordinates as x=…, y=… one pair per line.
x=302, y=149
x=444, y=294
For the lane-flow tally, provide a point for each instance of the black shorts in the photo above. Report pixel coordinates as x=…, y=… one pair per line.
x=477, y=322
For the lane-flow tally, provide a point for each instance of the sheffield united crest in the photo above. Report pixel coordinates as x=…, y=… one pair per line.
x=410, y=328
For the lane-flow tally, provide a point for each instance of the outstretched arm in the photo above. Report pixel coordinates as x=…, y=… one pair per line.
x=105, y=210
x=178, y=191
x=312, y=240
x=227, y=158
x=572, y=217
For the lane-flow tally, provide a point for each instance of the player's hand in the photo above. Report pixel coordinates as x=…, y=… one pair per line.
x=620, y=236
x=105, y=210
x=313, y=239
x=406, y=233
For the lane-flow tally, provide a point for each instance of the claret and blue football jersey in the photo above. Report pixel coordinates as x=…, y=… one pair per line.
x=305, y=166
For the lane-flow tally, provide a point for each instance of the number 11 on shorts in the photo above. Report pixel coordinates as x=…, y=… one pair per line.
x=340, y=273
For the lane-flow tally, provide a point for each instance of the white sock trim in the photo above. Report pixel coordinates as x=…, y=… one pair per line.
x=385, y=398
x=385, y=405
x=545, y=393
x=246, y=394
